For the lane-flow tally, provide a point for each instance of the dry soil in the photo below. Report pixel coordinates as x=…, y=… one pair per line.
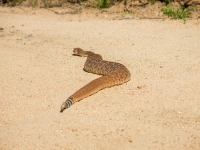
x=158, y=109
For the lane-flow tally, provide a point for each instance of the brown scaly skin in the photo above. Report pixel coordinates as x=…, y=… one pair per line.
x=113, y=74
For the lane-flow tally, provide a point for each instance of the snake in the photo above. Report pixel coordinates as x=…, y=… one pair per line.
x=113, y=74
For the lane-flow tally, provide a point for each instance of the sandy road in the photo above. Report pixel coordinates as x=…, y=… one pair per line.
x=157, y=109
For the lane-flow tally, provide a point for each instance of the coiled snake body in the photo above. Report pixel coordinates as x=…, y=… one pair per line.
x=113, y=74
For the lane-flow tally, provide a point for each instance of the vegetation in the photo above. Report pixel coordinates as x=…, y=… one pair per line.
x=177, y=13
x=13, y=2
x=181, y=12
x=33, y=3
x=153, y=1
x=103, y=3
x=47, y=3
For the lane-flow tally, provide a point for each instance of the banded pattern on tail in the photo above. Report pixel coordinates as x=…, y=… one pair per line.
x=113, y=74
x=66, y=104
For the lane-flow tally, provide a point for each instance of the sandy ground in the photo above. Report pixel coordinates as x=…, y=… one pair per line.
x=158, y=109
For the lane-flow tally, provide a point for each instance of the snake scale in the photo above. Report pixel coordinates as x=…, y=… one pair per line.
x=112, y=74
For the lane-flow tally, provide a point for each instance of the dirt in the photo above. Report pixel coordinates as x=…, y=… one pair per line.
x=157, y=109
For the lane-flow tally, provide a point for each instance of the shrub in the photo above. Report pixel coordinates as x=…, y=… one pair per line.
x=103, y=3
x=178, y=13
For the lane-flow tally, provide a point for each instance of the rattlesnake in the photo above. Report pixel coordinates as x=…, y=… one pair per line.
x=113, y=74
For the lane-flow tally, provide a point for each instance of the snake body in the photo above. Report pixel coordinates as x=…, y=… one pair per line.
x=112, y=74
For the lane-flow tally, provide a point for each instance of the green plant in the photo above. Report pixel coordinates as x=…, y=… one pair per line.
x=153, y=1
x=33, y=3
x=103, y=3
x=47, y=3
x=168, y=10
x=182, y=13
x=178, y=13
x=13, y=2
x=167, y=2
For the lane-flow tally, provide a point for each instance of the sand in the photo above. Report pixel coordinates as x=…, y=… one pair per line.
x=158, y=109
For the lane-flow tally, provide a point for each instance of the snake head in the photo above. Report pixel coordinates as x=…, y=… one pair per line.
x=79, y=52
x=63, y=107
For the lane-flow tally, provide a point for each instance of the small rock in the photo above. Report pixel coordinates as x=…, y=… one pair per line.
x=104, y=10
x=128, y=17
x=29, y=35
x=1, y=28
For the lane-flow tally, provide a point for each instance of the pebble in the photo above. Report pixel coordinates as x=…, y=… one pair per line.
x=128, y=17
x=29, y=35
x=1, y=28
